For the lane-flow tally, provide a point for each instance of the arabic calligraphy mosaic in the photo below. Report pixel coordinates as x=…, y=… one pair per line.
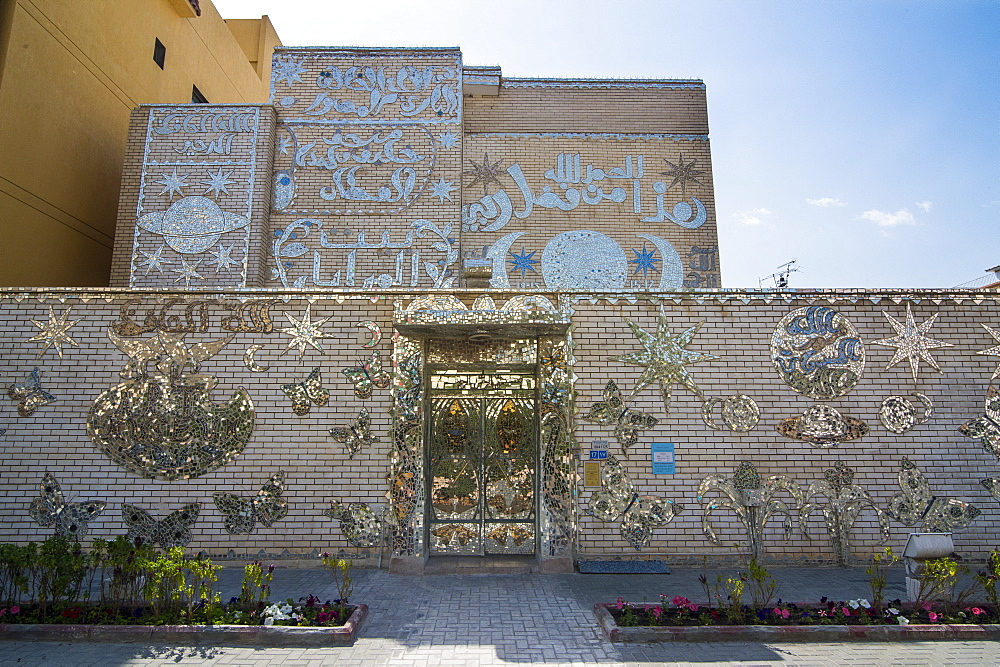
x=392, y=264
x=617, y=501
x=845, y=500
x=817, y=352
x=916, y=505
x=703, y=267
x=162, y=423
x=367, y=169
x=326, y=86
x=195, y=198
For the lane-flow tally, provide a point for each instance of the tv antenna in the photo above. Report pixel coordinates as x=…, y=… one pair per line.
x=781, y=277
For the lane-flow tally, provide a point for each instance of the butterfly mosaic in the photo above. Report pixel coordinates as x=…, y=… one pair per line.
x=626, y=422
x=306, y=394
x=986, y=429
x=358, y=522
x=174, y=530
x=69, y=519
x=29, y=394
x=618, y=501
x=369, y=374
x=357, y=435
x=916, y=505
x=243, y=514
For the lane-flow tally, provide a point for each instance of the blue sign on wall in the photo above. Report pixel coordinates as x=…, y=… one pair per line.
x=598, y=454
x=663, y=458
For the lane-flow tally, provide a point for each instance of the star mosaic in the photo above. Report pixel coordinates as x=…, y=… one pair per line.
x=54, y=333
x=448, y=139
x=682, y=173
x=173, y=183
x=911, y=342
x=305, y=332
x=665, y=358
x=289, y=70
x=524, y=261
x=485, y=172
x=188, y=272
x=644, y=261
x=217, y=182
x=222, y=258
x=154, y=260
x=442, y=189
x=995, y=350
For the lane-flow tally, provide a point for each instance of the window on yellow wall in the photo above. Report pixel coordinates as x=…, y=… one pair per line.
x=197, y=97
x=159, y=53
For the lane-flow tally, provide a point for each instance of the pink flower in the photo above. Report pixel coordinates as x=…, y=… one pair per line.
x=15, y=610
x=657, y=612
x=926, y=606
x=777, y=611
x=934, y=617
x=693, y=606
x=620, y=603
x=680, y=601
x=977, y=611
x=785, y=613
x=847, y=612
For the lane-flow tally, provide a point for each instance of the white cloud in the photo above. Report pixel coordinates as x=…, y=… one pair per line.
x=925, y=206
x=883, y=219
x=826, y=202
x=754, y=216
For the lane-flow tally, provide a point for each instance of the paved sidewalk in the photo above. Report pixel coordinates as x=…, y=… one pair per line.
x=511, y=619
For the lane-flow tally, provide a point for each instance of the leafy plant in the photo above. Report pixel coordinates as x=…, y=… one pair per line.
x=340, y=568
x=989, y=577
x=761, y=584
x=878, y=574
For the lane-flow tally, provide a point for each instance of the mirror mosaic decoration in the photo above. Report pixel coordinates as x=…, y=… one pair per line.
x=162, y=423
x=51, y=510
x=911, y=342
x=54, y=333
x=174, y=530
x=361, y=525
x=406, y=480
x=242, y=515
x=29, y=394
x=817, y=352
x=898, y=414
x=844, y=501
x=986, y=429
x=916, y=505
x=752, y=500
x=822, y=426
x=740, y=413
x=626, y=421
x=617, y=501
x=356, y=435
x=559, y=479
x=665, y=358
x=307, y=393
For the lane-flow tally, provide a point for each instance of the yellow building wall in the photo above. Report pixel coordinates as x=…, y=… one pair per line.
x=70, y=74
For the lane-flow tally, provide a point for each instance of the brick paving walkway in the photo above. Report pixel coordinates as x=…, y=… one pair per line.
x=508, y=619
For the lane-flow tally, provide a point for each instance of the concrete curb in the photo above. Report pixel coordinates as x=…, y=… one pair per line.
x=191, y=635
x=786, y=633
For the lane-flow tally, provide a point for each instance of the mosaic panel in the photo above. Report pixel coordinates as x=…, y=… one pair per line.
x=29, y=394
x=817, y=352
x=50, y=509
x=163, y=424
x=986, y=429
x=822, y=426
x=899, y=415
x=359, y=523
x=844, y=502
x=911, y=342
x=406, y=481
x=356, y=435
x=242, y=514
x=916, y=505
x=739, y=413
x=626, y=421
x=559, y=479
x=174, y=530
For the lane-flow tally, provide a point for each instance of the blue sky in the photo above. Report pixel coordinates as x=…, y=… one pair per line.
x=859, y=138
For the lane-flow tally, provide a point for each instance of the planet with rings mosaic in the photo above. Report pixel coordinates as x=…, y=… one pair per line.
x=192, y=224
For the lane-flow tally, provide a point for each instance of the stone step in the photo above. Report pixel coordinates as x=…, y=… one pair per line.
x=481, y=565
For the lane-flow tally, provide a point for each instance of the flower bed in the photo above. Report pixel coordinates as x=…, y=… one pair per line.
x=194, y=635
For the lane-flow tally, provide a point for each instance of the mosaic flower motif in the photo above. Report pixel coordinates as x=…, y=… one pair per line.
x=844, y=502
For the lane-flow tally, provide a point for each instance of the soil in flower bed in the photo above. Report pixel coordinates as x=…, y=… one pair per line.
x=308, y=612
x=684, y=613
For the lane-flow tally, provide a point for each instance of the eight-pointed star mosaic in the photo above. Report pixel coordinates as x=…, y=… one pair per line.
x=305, y=332
x=485, y=172
x=911, y=342
x=54, y=333
x=665, y=358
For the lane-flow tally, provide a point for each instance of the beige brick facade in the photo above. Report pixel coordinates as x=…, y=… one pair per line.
x=255, y=242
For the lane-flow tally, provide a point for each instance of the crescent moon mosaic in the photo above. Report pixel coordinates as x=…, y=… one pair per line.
x=739, y=413
x=817, y=352
x=899, y=415
x=376, y=333
x=250, y=362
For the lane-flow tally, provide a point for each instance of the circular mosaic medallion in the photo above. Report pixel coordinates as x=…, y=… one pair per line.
x=817, y=352
x=899, y=415
x=583, y=260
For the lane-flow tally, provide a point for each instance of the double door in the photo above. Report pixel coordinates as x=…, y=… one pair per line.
x=482, y=463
